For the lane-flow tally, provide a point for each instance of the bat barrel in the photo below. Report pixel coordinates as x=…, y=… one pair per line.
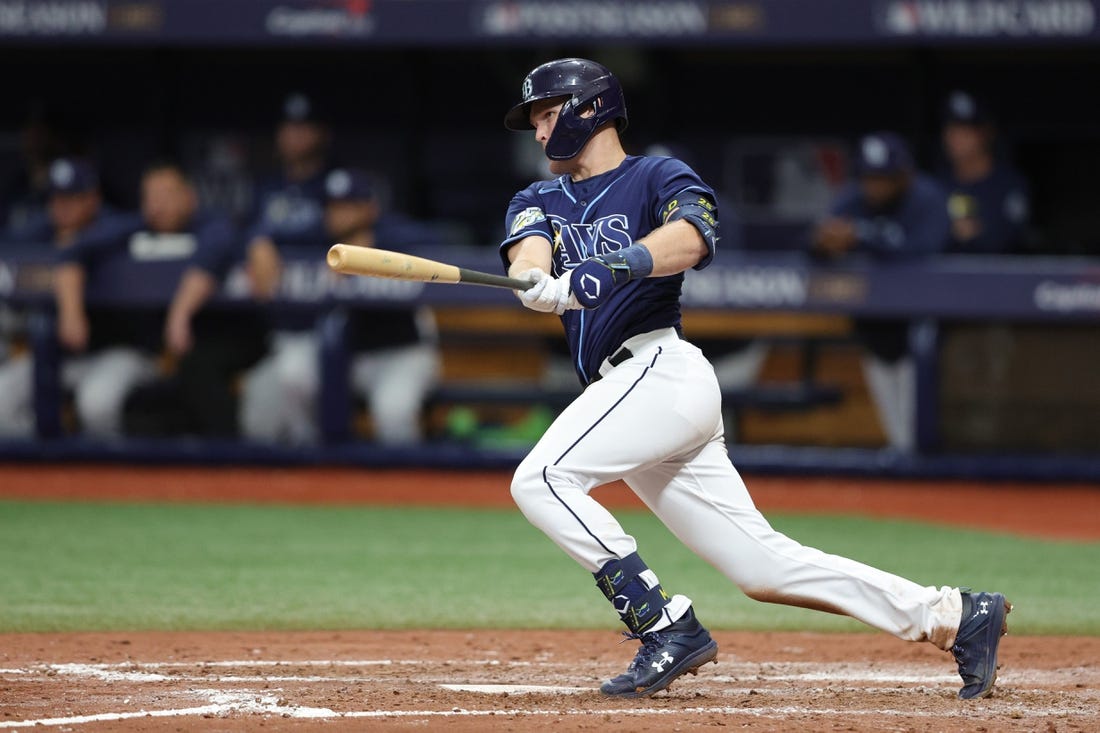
x=373, y=262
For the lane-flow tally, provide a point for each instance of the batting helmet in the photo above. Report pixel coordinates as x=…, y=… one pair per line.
x=586, y=83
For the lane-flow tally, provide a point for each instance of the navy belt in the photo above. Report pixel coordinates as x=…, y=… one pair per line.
x=620, y=356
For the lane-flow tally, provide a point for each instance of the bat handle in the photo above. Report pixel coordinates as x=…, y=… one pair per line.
x=499, y=281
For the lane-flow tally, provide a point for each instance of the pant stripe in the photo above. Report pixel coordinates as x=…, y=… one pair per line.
x=582, y=436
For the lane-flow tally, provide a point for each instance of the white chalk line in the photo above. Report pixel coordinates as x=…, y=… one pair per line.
x=268, y=705
x=133, y=671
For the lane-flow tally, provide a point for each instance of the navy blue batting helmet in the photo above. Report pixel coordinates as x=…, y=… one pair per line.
x=586, y=83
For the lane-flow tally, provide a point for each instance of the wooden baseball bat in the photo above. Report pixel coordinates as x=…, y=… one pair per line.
x=353, y=260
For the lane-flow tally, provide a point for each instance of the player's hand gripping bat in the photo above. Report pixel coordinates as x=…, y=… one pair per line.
x=352, y=260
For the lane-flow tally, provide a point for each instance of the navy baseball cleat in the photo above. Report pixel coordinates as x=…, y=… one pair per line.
x=665, y=655
x=983, y=624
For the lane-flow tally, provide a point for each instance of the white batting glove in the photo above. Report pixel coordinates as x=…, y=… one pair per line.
x=536, y=298
x=567, y=299
x=548, y=294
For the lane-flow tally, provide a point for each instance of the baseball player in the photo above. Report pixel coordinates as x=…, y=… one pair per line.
x=74, y=204
x=606, y=244
x=394, y=352
x=289, y=206
x=112, y=350
x=989, y=200
x=891, y=211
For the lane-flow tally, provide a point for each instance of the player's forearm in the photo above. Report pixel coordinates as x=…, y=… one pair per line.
x=264, y=266
x=528, y=254
x=675, y=247
x=69, y=288
x=195, y=288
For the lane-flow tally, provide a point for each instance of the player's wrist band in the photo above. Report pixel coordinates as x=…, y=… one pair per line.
x=633, y=262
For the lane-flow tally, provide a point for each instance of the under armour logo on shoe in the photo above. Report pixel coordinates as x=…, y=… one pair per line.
x=984, y=607
x=665, y=659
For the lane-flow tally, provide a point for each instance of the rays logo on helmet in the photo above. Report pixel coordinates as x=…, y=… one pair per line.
x=527, y=217
x=528, y=88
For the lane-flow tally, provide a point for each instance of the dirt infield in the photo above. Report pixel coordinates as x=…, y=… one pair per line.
x=525, y=681
x=536, y=680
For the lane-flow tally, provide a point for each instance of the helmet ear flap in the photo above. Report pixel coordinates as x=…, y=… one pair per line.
x=573, y=128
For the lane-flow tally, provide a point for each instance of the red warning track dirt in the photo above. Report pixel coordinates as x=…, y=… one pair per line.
x=536, y=680
x=1055, y=511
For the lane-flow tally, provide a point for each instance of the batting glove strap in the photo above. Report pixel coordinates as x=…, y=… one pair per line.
x=596, y=278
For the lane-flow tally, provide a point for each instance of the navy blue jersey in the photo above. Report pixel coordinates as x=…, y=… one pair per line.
x=108, y=236
x=43, y=231
x=290, y=213
x=1001, y=204
x=596, y=216
x=916, y=224
x=210, y=243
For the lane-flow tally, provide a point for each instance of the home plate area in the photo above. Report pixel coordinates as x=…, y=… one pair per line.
x=525, y=680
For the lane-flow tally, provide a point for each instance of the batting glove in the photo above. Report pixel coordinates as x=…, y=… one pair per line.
x=548, y=294
x=597, y=277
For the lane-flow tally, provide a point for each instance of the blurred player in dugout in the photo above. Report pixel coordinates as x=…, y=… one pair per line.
x=288, y=205
x=891, y=212
x=989, y=200
x=73, y=204
x=109, y=351
x=394, y=359
x=206, y=348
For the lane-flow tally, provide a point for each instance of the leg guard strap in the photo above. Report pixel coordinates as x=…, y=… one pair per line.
x=634, y=591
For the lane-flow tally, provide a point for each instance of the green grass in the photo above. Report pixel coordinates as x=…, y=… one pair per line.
x=103, y=566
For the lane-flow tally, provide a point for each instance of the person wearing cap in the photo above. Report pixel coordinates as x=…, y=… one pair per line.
x=73, y=204
x=989, y=200
x=394, y=360
x=891, y=211
x=110, y=351
x=289, y=205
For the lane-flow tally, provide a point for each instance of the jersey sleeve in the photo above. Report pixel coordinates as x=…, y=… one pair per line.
x=677, y=182
x=107, y=235
x=525, y=218
x=218, y=247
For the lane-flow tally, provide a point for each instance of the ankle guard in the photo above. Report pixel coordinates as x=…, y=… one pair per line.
x=633, y=590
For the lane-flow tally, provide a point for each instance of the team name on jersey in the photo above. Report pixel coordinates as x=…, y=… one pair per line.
x=574, y=242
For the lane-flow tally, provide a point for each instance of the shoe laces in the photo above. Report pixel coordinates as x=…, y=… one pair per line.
x=651, y=641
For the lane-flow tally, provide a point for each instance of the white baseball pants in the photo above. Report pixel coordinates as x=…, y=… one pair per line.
x=655, y=421
x=101, y=381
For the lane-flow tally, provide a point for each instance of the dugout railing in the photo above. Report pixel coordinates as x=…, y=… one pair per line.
x=1034, y=290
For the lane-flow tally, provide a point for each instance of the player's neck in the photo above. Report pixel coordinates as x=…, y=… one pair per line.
x=973, y=168
x=303, y=169
x=603, y=153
